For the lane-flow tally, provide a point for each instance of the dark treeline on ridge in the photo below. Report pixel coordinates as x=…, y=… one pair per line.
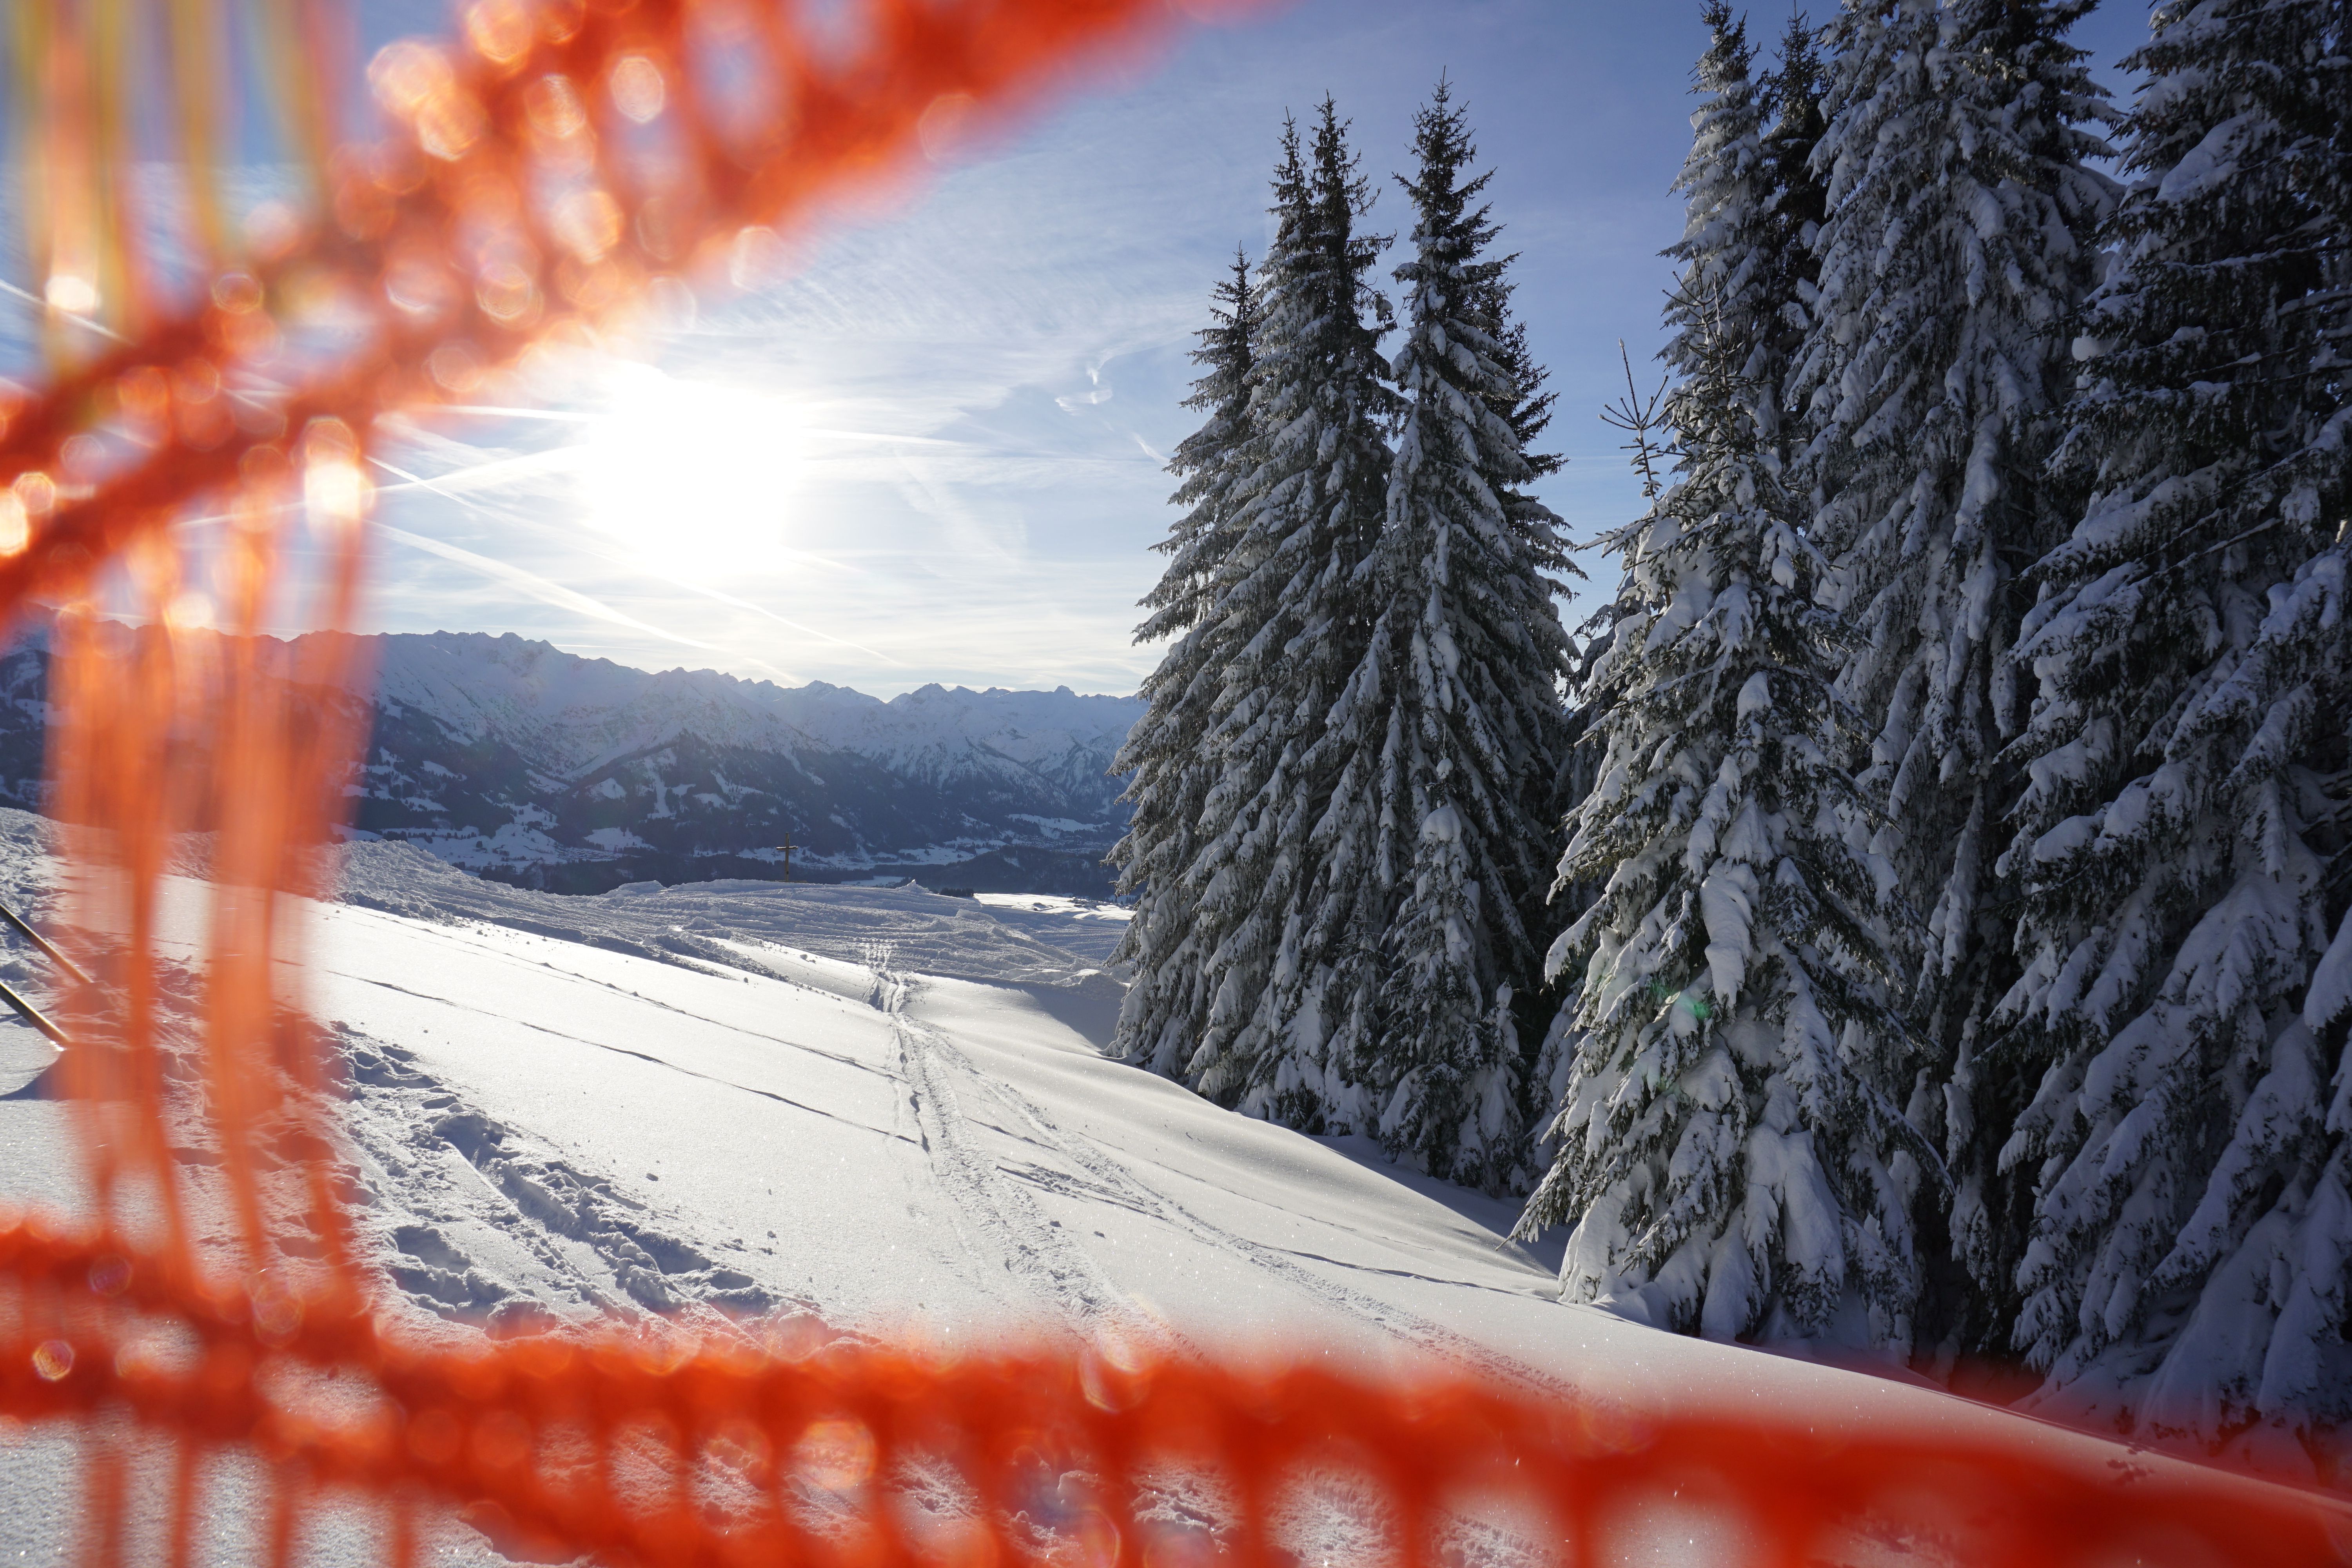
x=1911, y=915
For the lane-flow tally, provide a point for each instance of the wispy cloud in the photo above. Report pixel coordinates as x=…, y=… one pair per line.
x=983, y=384
x=555, y=594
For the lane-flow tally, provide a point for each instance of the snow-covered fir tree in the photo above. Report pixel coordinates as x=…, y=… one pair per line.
x=1294, y=604
x=1727, y=267
x=1959, y=238
x=1732, y=1156
x=1752, y=205
x=1526, y=404
x=2181, y=844
x=1519, y=397
x=1793, y=94
x=1447, y=735
x=1168, y=756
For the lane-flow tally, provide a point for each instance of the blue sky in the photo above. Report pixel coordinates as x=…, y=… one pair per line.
x=932, y=450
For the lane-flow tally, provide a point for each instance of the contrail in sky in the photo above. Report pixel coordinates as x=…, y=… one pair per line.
x=571, y=416
x=693, y=587
x=555, y=594
x=498, y=470
x=537, y=586
x=437, y=486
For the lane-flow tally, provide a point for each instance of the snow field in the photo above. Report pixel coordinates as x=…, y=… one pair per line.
x=550, y=1129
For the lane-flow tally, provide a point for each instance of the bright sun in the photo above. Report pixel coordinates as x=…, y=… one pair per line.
x=690, y=476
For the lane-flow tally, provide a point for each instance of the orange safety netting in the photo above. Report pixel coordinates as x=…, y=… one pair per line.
x=197, y=454
x=745, y=1453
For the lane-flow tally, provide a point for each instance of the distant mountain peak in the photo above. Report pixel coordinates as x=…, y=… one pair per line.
x=513, y=758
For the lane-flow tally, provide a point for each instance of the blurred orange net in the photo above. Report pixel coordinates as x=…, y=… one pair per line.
x=731, y=1451
x=201, y=431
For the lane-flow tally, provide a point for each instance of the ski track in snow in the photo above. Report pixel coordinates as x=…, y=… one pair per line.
x=522, y=1023
x=476, y=1220
x=928, y=1051
x=1408, y=1327
x=1325, y=1515
x=992, y=1214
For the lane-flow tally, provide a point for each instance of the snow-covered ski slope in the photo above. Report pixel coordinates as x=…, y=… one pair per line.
x=885, y=1106
x=884, y=1110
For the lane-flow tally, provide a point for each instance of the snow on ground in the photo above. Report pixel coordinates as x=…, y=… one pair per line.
x=1088, y=927
x=881, y=1108
x=730, y=922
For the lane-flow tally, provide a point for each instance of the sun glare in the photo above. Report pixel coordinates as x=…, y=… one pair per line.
x=692, y=476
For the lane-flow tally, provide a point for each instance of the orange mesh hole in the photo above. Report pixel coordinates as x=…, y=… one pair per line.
x=555, y=170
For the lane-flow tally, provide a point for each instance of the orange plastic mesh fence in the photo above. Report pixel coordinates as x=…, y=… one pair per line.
x=553, y=176
x=672, y=1451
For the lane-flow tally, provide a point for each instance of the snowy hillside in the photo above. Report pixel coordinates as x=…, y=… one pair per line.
x=517, y=759
x=863, y=1111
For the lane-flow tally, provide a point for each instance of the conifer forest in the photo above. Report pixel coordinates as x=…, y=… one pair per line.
x=1901, y=905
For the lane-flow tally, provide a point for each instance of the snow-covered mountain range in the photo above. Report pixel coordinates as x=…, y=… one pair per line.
x=522, y=762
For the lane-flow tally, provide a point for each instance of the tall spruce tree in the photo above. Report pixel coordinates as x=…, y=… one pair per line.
x=1519, y=397
x=1752, y=205
x=1526, y=404
x=1793, y=94
x=1293, y=598
x=1447, y=737
x=1722, y=257
x=1727, y=269
x=1958, y=241
x=1168, y=755
x=2181, y=842
x=1731, y=1154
